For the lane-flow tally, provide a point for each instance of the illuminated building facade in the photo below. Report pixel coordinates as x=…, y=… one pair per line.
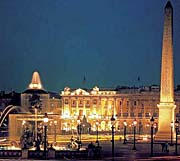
x=99, y=105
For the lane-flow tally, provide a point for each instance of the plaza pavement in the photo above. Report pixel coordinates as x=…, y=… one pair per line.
x=124, y=152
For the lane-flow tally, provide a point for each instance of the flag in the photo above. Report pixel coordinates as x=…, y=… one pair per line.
x=84, y=80
x=138, y=78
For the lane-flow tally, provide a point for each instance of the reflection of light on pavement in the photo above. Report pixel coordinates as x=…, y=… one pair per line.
x=13, y=148
x=145, y=138
x=1, y=140
x=61, y=148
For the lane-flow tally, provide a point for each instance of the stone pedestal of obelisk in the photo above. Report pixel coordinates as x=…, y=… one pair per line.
x=167, y=105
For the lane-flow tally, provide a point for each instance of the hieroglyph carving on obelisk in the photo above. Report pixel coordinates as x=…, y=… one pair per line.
x=166, y=105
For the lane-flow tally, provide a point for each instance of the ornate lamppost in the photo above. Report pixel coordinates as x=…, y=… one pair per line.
x=134, y=125
x=171, y=132
x=55, y=123
x=97, y=140
x=177, y=128
x=152, y=127
x=125, y=125
x=45, y=119
x=112, y=127
x=79, y=131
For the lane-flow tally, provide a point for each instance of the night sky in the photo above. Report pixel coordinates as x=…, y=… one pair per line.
x=110, y=42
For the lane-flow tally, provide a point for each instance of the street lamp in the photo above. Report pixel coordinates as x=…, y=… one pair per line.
x=112, y=127
x=134, y=125
x=35, y=123
x=171, y=132
x=125, y=125
x=55, y=123
x=45, y=119
x=79, y=131
x=177, y=127
x=152, y=127
x=97, y=141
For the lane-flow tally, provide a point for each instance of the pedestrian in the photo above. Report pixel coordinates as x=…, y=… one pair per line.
x=162, y=145
x=167, y=147
x=91, y=150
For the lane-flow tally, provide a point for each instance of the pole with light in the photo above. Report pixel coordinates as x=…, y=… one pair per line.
x=112, y=127
x=171, y=132
x=55, y=123
x=125, y=125
x=45, y=119
x=152, y=130
x=97, y=140
x=134, y=125
x=79, y=131
x=177, y=128
x=35, y=123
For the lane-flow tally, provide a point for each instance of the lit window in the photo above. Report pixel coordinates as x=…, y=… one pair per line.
x=94, y=101
x=80, y=103
x=73, y=103
x=66, y=101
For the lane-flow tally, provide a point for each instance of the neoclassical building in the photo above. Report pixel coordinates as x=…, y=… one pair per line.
x=125, y=103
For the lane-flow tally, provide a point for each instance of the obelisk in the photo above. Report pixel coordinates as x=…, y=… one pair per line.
x=166, y=105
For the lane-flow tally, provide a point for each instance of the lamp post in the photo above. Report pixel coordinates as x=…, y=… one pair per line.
x=55, y=123
x=134, y=125
x=35, y=123
x=97, y=140
x=112, y=127
x=176, y=127
x=152, y=127
x=45, y=119
x=79, y=131
x=171, y=132
x=125, y=125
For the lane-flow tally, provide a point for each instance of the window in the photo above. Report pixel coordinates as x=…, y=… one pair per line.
x=125, y=114
x=66, y=101
x=80, y=103
x=94, y=101
x=155, y=115
x=147, y=114
x=73, y=103
x=132, y=114
x=87, y=103
x=120, y=103
x=139, y=114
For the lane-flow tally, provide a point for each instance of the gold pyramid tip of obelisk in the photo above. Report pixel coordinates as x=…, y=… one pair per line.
x=168, y=5
x=36, y=81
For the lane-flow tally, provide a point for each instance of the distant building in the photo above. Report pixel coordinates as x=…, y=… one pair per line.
x=12, y=98
x=35, y=102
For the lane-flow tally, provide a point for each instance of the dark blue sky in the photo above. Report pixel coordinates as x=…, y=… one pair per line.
x=111, y=42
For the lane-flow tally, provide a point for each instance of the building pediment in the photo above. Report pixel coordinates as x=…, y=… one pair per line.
x=79, y=91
